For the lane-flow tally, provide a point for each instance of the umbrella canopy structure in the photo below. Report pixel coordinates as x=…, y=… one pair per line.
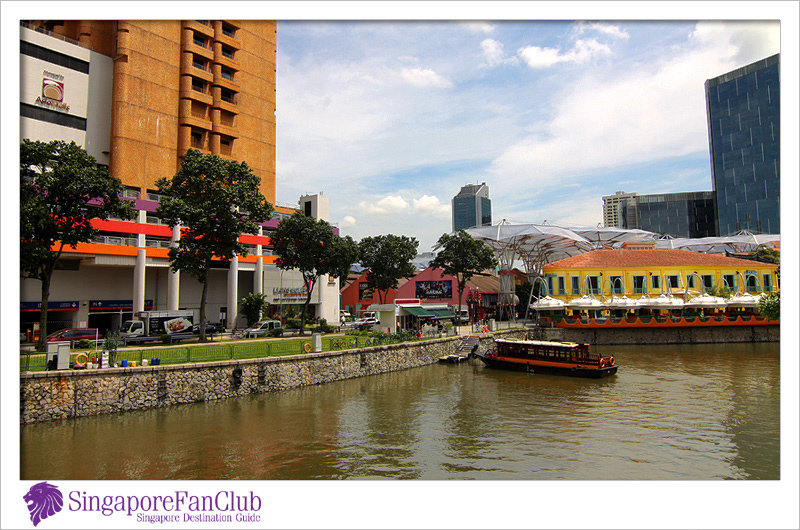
x=585, y=302
x=621, y=302
x=535, y=245
x=548, y=303
x=707, y=301
x=742, y=242
x=602, y=236
x=744, y=300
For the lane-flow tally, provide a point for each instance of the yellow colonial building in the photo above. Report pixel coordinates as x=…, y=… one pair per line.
x=635, y=273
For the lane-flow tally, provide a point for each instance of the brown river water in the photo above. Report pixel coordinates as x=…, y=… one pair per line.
x=672, y=412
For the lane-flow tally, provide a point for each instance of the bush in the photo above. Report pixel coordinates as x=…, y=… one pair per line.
x=293, y=323
x=770, y=305
x=166, y=339
x=323, y=327
x=83, y=344
x=277, y=332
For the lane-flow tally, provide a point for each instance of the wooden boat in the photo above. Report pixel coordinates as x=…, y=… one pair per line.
x=544, y=357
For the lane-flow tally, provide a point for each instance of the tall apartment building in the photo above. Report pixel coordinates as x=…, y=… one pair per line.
x=472, y=207
x=743, y=112
x=616, y=210
x=136, y=95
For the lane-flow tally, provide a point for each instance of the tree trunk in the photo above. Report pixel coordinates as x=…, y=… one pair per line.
x=461, y=285
x=41, y=344
x=311, y=285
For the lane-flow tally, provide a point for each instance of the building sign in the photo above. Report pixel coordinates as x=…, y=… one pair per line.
x=71, y=305
x=116, y=305
x=434, y=289
x=52, y=96
x=364, y=291
x=289, y=294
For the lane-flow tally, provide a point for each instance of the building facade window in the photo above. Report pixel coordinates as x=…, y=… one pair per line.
x=617, y=287
x=767, y=283
x=655, y=282
x=674, y=281
x=576, y=285
x=594, y=284
x=561, y=285
x=708, y=281
x=690, y=284
x=729, y=281
x=639, y=285
x=226, y=74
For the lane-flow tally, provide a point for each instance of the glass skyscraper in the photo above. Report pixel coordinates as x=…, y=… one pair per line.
x=472, y=207
x=743, y=112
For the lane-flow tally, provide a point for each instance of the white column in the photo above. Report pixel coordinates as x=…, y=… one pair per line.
x=233, y=289
x=139, y=268
x=258, y=275
x=174, y=278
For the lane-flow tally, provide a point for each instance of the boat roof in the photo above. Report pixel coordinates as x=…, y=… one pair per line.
x=541, y=343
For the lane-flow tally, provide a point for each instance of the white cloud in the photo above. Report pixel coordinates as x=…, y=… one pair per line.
x=605, y=29
x=478, y=27
x=583, y=52
x=424, y=77
x=348, y=221
x=391, y=204
x=430, y=205
x=494, y=55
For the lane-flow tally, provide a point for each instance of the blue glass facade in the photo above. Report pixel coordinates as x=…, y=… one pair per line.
x=677, y=214
x=743, y=111
x=472, y=207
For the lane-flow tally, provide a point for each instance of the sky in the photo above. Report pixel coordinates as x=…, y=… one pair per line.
x=390, y=118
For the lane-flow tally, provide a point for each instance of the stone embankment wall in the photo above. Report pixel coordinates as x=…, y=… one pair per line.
x=48, y=396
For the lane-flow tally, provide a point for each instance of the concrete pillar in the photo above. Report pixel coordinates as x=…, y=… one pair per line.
x=233, y=290
x=174, y=278
x=258, y=275
x=139, y=268
x=138, y=281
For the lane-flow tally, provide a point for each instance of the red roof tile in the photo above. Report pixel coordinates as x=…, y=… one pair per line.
x=648, y=258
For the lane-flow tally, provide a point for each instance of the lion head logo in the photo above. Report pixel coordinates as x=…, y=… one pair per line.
x=43, y=500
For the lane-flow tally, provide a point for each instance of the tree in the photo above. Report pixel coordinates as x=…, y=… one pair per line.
x=310, y=246
x=387, y=259
x=215, y=201
x=61, y=190
x=770, y=305
x=462, y=256
x=252, y=306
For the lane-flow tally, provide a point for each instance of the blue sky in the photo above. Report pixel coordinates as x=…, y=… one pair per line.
x=390, y=118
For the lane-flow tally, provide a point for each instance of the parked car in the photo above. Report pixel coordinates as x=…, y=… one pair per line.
x=73, y=334
x=260, y=329
x=211, y=327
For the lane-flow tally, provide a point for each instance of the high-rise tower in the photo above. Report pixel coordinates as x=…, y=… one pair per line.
x=472, y=207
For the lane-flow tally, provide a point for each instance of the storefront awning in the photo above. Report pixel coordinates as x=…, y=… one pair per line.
x=442, y=313
x=420, y=312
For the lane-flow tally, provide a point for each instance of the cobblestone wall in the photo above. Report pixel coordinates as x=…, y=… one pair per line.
x=48, y=396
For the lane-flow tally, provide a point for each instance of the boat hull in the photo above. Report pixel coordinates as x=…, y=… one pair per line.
x=531, y=366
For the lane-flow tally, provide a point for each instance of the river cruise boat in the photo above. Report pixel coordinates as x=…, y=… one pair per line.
x=544, y=357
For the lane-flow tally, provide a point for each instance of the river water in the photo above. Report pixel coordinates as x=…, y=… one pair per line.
x=672, y=412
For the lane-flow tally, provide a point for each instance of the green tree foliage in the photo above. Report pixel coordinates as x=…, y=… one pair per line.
x=61, y=190
x=387, y=259
x=462, y=256
x=252, y=306
x=769, y=254
x=720, y=290
x=770, y=305
x=310, y=246
x=215, y=201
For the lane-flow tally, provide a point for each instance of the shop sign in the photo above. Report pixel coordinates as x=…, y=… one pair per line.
x=52, y=96
x=434, y=289
x=289, y=293
x=116, y=305
x=71, y=305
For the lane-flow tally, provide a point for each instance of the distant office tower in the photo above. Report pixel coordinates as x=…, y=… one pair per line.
x=616, y=210
x=690, y=214
x=472, y=207
x=743, y=111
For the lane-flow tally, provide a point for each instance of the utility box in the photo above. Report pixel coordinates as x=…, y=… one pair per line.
x=58, y=355
x=316, y=342
x=492, y=325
